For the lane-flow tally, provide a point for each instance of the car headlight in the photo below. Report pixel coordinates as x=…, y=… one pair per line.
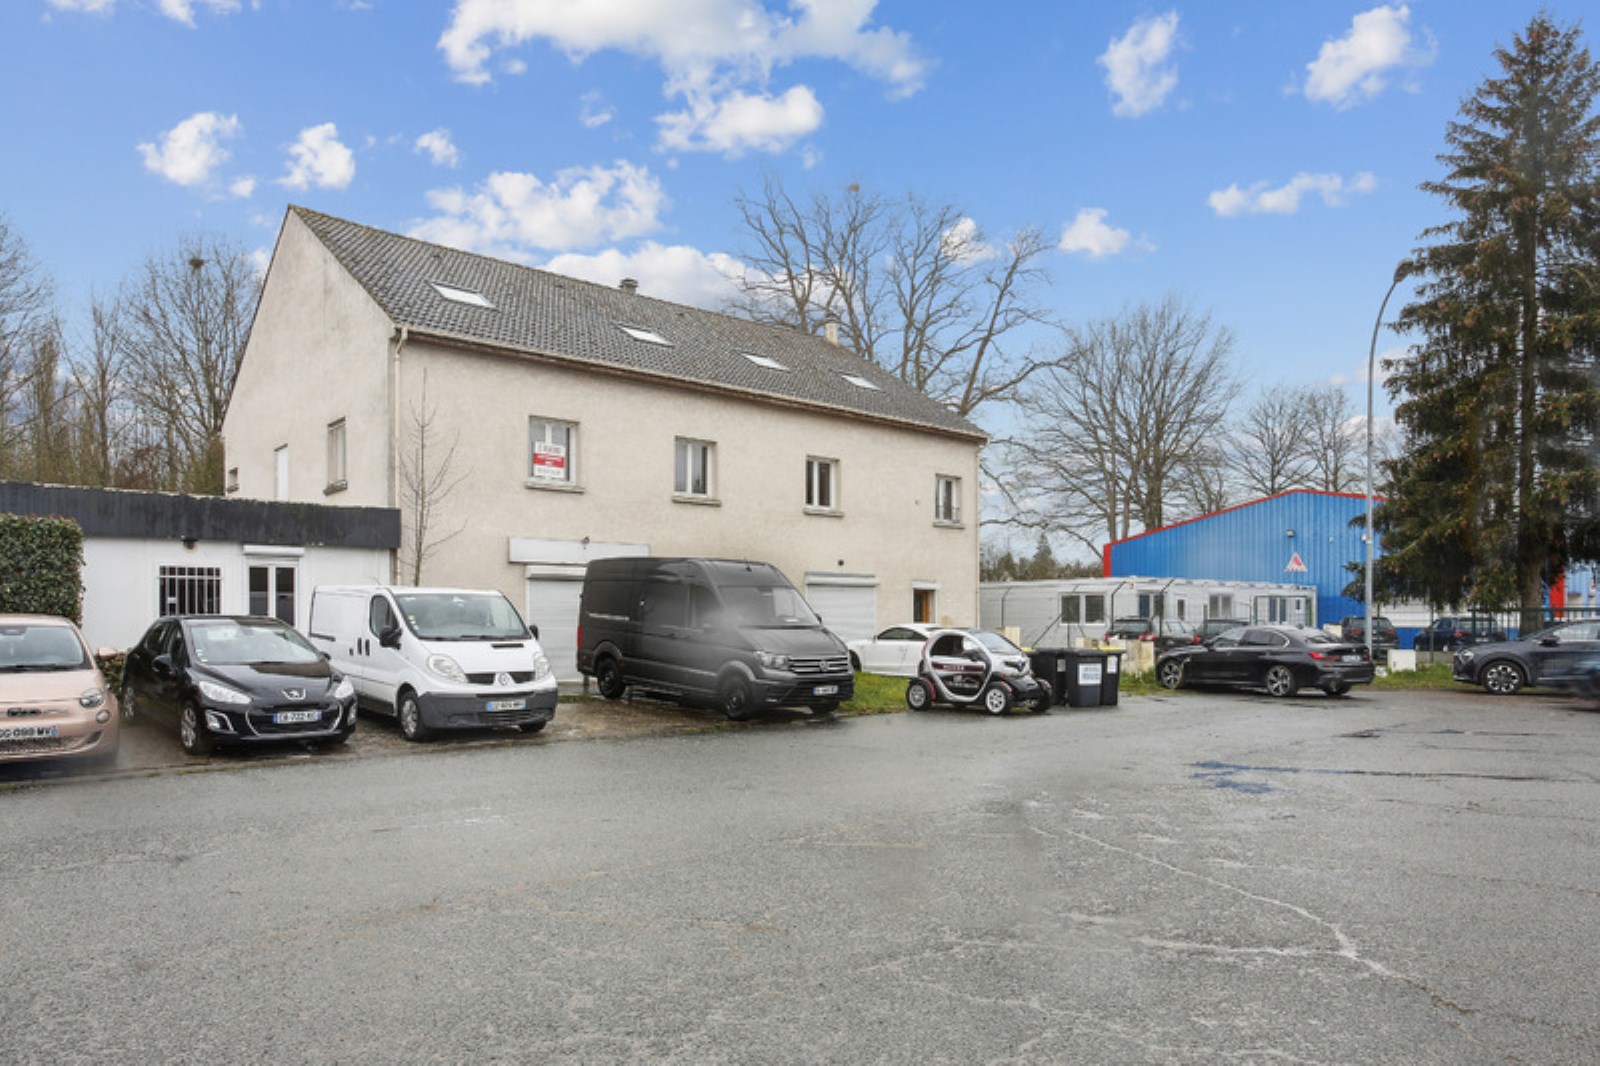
x=1465, y=655
x=92, y=698
x=541, y=665
x=344, y=689
x=447, y=668
x=772, y=662
x=223, y=694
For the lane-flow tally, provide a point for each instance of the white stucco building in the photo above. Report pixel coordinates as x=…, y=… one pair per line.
x=585, y=421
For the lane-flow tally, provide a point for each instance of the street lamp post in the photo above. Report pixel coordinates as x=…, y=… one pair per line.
x=1404, y=270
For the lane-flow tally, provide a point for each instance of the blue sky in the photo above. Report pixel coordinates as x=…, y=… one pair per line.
x=1259, y=159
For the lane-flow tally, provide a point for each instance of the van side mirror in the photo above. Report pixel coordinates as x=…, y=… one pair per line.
x=390, y=638
x=533, y=629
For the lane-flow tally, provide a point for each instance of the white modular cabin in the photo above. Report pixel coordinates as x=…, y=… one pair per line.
x=1068, y=611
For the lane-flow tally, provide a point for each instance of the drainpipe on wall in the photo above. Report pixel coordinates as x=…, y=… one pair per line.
x=401, y=335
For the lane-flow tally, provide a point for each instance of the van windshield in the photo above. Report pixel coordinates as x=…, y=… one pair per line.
x=768, y=607
x=461, y=616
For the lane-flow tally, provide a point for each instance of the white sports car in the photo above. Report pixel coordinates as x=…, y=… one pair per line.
x=897, y=651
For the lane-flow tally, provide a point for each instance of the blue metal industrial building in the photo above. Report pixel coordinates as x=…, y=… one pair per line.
x=1299, y=537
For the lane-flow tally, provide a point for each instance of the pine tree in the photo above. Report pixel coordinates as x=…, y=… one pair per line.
x=1499, y=399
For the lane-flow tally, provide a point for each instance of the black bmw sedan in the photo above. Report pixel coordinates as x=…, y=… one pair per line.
x=1280, y=659
x=222, y=679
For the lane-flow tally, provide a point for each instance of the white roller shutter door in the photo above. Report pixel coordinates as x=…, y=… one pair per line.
x=553, y=607
x=850, y=611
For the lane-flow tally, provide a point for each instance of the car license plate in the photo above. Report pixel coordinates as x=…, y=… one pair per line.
x=27, y=732
x=825, y=690
x=291, y=717
x=1352, y=658
x=506, y=705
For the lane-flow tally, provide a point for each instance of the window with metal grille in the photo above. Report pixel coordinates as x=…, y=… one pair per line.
x=190, y=590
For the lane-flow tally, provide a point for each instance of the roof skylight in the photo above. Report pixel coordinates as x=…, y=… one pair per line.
x=762, y=360
x=649, y=336
x=471, y=297
x=859, y=382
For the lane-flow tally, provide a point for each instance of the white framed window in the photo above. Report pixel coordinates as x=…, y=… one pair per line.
x=336, y=456
x=280, y=472
x=947, y=499
x=552, y=452
x=822, y=483
x=189, y=589
x=693, y=468
x=455, y=294
x=649, y=336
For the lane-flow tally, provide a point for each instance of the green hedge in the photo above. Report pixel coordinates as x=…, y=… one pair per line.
x=41, y=566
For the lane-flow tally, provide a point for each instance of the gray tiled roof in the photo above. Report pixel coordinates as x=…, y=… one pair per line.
x=540, y=313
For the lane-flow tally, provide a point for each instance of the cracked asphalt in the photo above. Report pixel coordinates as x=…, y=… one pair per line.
x=1390, y=877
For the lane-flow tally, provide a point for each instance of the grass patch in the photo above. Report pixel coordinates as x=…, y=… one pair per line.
x=877, y=694
x=1433, y=675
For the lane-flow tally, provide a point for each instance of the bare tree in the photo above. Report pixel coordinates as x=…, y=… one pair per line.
x=188, y=316
x=1335, y=439
x=915, y=288
x=1271, y=443
x=103, y=418
x=26, y=300
x=1123, y=425
x=427, y=479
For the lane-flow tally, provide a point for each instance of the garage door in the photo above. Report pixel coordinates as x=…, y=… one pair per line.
x=851, y=611
x=553, y=607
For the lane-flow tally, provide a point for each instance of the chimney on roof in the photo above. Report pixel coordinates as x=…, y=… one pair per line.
x=830, y=330
x=628, y=285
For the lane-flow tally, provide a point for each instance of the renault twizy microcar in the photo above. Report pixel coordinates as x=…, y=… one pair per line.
x=964, y=668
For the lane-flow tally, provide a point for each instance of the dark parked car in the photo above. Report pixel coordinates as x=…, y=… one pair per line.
x=1547, y=657
x=1164, y=633
x=1453, y=632
x=1212, y=628
x=1384, y=635
x=221, y=679
x=1280, y=659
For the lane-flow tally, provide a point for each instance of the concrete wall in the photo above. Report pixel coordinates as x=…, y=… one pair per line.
x=122, y=584
x=319, y=351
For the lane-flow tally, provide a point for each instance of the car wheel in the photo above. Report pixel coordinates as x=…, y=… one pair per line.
x=1280, y=681
x=532, y=727
x=410, y=714
x=608, y=679
x=1503, y=678
x=733, y=699
x=855, y=662
x=192, y=731
x=1170, y=674
x=996, y=699
x=919, y=695
x=1337, y=688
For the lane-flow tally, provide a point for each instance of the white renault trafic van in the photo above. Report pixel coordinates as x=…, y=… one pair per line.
x=435, y=658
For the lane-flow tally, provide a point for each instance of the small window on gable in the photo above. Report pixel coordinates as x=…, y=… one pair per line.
x=762, y=360
x=471, y=297
x=649, y=336
x=859, y=382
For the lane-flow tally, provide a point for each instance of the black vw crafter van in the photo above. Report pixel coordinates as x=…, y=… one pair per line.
x=735, y=633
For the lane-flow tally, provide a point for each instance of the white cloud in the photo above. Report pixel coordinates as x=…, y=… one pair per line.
x=93, y=7
x=737, y=122
x=242, y=188
x=1261, y=199
x=319, y=159
x=964, y=242
x=183, y=10
x=1089, y=234
x=718, y=55
x=594, y=111
x=704, y=36
x=1355, y=68
x=439, y=147
x=1138, y=71
x=512, y=213
x=190, y=151
x=677, y=273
